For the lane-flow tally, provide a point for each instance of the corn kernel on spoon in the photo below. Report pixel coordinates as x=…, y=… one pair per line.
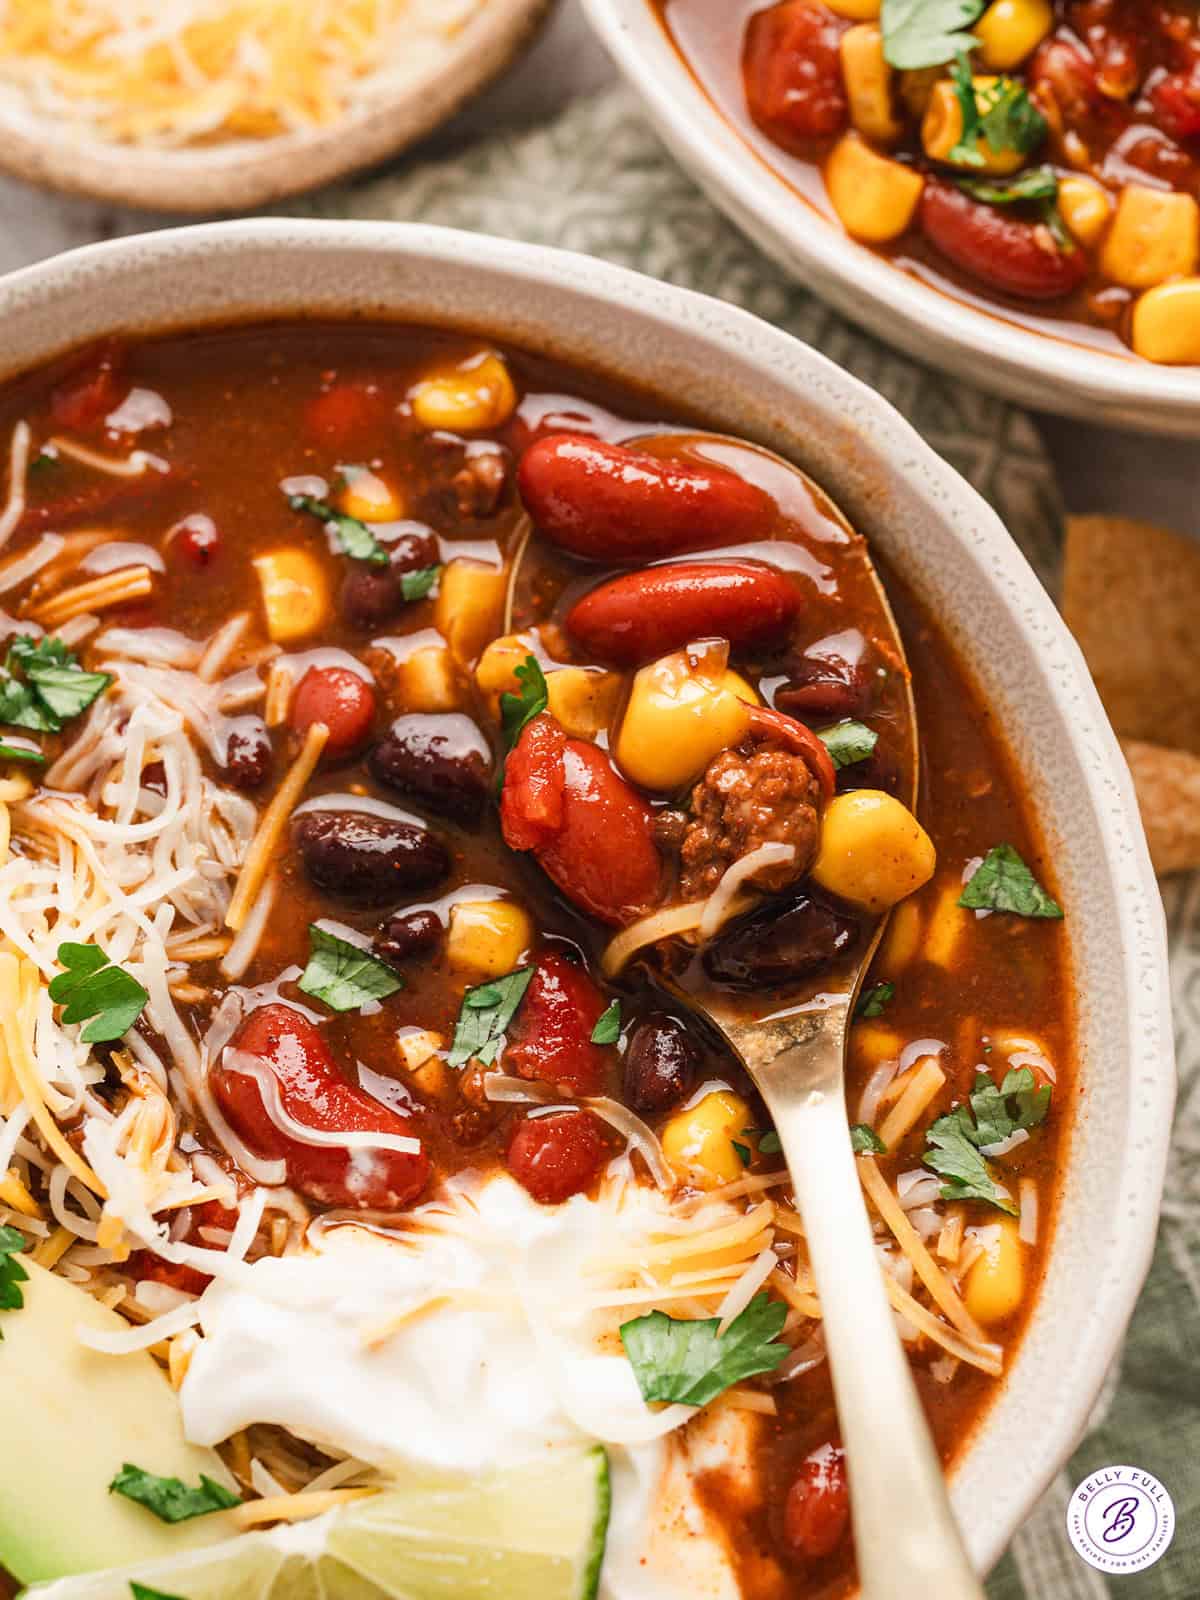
x=794, y=1047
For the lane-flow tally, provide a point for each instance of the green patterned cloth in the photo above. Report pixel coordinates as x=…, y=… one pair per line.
x=598, y=180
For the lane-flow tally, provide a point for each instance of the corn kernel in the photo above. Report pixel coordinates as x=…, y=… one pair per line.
x=875, y=197
x=1086, y=207
x=946, y=926
x=995, y=1284
x=367, y=497
x=698, y=1142
x=873, y=1042
x=1010, y=30
x=1166, y=323
x=295, y=595
x=942, y=130
x=477, y=394
x=868, y=78
x=416, y=1045
x=856, y=10
x=584, y=701
x=678, y=718
x=487, y=938
x=1155, y=235
x=496, y=669
x=469, y=605
x=902, y=937
x=427, y=680
x=873, y=851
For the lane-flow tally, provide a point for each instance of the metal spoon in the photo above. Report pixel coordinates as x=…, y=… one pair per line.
x=906, y=1538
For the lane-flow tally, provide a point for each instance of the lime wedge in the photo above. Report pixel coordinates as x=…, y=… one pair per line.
x=534, y=1530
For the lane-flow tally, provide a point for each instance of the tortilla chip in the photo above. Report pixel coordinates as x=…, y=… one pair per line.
x=1131, y=597
x=1168, y=792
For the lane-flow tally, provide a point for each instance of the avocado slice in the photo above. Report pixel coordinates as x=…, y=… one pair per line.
x=69, y=1417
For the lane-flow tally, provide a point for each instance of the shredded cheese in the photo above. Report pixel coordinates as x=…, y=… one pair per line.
x=931, y=1275
x=270, y=829
x=919, y=1090
x=97, y=594
x=294, y=1507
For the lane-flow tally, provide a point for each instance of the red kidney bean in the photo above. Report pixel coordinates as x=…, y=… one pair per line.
x=590, y=831
x=313, y=1092
x=93, y=389
x=556, y=1156
x=769, y=948
x=816, y=1513
x=249, y=754
x=829, y=679
x=1007, y=253
x=195, y=540
x=366, y=858
x=343, y=700
x=661, y=1064
x=615, y=504
x=372, y=596
x=408, y=936
x=1062, y=73
x=646, y=614
x=443, y=760
x=551, y=1037
x=773, y=727
x=793, y=73
x=1176, y=101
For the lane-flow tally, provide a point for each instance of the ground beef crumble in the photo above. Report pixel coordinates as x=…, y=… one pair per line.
x=743, y=801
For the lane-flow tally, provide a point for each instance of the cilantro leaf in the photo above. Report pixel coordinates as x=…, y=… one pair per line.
x=865, y=1141
x=15, y=752
x=686, y=1361
x=926, y=33
x=353, y=537
x=874, y=1001
x=141, y=1591
x=848, y=742
x=42, y=685
x=486, y=1013
x=1002, y=882
x=344, y=976
x=742, y=1152
x=1039, y=183
x=12, y=1273
x=419, y=583
x=608, y=1025
x=518, y=710
x=770, y=1144
x=91, y=987
x=170, y=1499
x=1001, y=116
x=958, y=1138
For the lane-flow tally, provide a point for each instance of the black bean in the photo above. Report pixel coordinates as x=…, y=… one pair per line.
x=660, y=1064
x=249, y=755
x=372, y=596
x=441, y=760
x=366, y=858
x=408, y=936
x=771, y=947
x=830, y=679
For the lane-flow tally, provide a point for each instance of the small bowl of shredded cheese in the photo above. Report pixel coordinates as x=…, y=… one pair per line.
x=214, y=105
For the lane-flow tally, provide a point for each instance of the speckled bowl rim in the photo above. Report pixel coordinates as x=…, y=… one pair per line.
x=750, y=377
x=984, y=348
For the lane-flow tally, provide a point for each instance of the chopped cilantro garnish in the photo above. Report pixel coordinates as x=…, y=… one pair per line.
x=418, y=584
x=16, y=752
x=92, y=987
x=865, y=1141
x=518, y=710
x=1001, y=116
x=343, y=975
x=687, y=1362
x=42, y=685
x=486, y=1013
x=991, y=1116
x=1002, y=882
x=142, y=1591
x=12, y=1273
x=42, y=463
x=742, y=1151
x=848, y=742
x=874, y=1001
x=925, y=33
x=1039, y=183
x=353, y=537
x=608, y=1025
x=170, y=1499
x=770, y=1144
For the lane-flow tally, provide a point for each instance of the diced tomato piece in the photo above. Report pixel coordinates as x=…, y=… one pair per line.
x=559, y=1155
x=313, y=1093
x=553, y=1028
x=343, y=700
x=793, y=72
x=1176, y=101
x=174, y=1274
x=95, y=387
x=344, y=412
x=817, y=1510
x=590, y=831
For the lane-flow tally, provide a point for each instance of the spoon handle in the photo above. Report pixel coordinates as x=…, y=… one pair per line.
x=907, y=1541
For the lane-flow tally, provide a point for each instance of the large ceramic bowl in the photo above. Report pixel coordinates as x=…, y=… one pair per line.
x=1047, y=370
x=749, y=378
